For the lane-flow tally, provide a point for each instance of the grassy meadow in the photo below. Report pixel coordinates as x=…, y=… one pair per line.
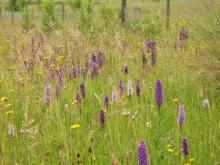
x=61, y=100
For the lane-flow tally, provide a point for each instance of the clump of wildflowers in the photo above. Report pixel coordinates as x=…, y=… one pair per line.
x=143, y=157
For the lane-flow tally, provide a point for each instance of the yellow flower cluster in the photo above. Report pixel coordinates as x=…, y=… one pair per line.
x=75, y=126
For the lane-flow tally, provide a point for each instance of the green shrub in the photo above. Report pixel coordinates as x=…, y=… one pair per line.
x=49, y=18
x=15, y=5
x=107, y=14
x=86, y=15
x=27, y=16
x=75, y=4
x=151, y=25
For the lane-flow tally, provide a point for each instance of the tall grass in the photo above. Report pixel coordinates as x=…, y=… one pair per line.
x=56, y=133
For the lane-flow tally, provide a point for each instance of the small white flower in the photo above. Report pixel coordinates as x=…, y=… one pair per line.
x=205, y=103
x=148, y=124
x=66, y=106
x=125, y=113
x=11, y=131
x=129, y=88
x=114, y=96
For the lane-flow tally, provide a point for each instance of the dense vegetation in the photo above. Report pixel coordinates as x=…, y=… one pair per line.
x=91, y=90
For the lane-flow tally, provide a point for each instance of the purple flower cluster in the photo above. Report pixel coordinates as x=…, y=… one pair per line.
x=97, y=63
x=185, y=146
x=153, y=57
x=114, y=96
x=74, y=72
x=151, y=46
x=47, y=94
x=138, y=87
x=121, y=87
x=61, y=77
x=95, y=70
x=125, y=69
x=106, y=101
x=159, y=92
x=183, y=33
x=102, y=117
x=181, y=116
x=143, y=157
x=78, y=98
x=58, y=90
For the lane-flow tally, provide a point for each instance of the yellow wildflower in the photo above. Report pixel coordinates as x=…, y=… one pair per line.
x=169, y=145
x=211, y=154
x=9, y=113
x=7, y=105
x=74, y=126
x=74, y=102
x=152, y=106
x=40, y=72
x=60, y=58
x=175, y=100
x=176, y=153
x=22, y=78
x=4, y=98
x=12, y=90
x=186, y=164
x=170, y=150
x=191, y=159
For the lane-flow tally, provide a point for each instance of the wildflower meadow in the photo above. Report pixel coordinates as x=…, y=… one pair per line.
x=120, y=82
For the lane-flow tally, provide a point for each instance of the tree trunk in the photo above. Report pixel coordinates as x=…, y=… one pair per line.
x=12, y=16
x=63, y=12
x=123, y=9
x=168, y=14
x=1, y=11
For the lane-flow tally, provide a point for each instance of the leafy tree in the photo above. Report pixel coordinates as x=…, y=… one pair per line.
x=49, y=20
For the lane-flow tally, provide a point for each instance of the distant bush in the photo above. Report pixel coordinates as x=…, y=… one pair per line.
x=27, y=16
x=107, y=14
x=86, y=15
x=207, y=38
x=211, y=34
x=75, y=4
x=151, y=25
x=49, y=18
x=15, y=5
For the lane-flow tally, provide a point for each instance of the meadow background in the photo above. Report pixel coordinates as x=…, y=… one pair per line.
x=45, y=60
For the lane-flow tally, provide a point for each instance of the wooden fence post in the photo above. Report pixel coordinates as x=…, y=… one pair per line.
x=168, y=14
x=12, y=15
x=1, y=11
x=63, y=11
x=123, y=11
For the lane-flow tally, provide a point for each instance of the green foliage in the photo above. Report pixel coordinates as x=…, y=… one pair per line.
x=27, y=16
x=210, y=32
x=49, y=20
x=75, y=4
x=86, y=15
x=16, y=5
x=43, y=133
x=151, y=25
x=107, y=14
